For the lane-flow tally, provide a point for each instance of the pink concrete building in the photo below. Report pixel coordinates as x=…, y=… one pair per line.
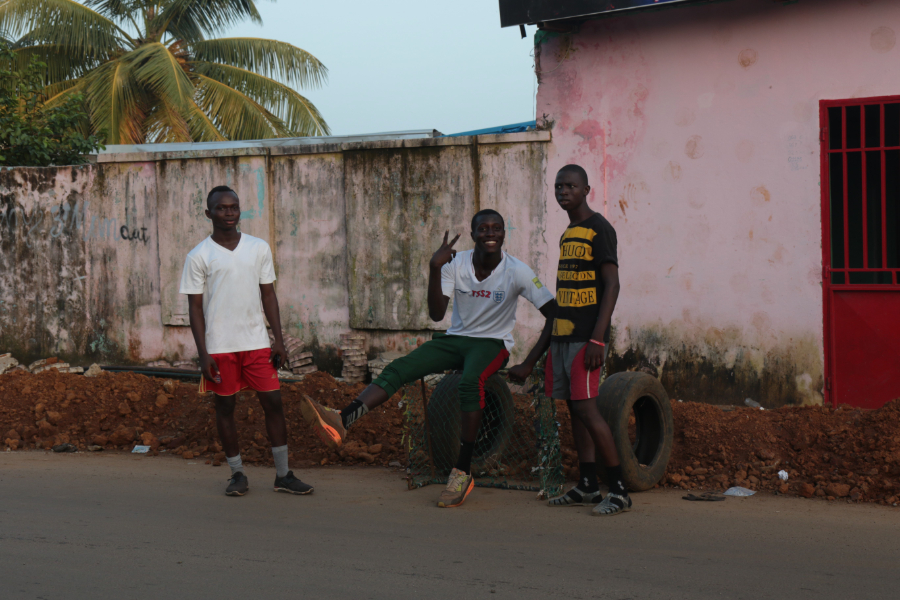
x=748, y=154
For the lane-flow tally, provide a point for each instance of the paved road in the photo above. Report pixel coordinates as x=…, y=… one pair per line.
x=119, y=526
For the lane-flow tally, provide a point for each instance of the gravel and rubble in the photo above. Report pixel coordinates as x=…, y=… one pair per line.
x=846, y=453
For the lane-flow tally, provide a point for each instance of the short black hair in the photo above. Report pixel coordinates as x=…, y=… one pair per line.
x=577, y=170
x=216, y=190
x=484, y=213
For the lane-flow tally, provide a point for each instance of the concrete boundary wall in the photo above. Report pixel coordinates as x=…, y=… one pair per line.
x=93, y=254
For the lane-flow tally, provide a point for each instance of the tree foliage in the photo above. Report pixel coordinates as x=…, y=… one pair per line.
x=33, y=134
x=152, y=70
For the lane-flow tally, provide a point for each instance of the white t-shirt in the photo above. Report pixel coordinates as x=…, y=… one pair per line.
x=487, y=309
x=229, y=281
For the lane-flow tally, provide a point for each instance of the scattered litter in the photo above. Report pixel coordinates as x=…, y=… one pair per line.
x=95, y=448
x=753, y=403
x=140, y=450
x=738, y=491
x=783, y=475
x=705, y=497
x=65, y=448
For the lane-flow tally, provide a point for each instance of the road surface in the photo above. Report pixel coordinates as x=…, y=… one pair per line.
x=117, y=526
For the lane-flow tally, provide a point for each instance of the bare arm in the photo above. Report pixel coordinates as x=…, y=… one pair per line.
x=521, y=371
x=208, y=366
x=273, y=315
x=437, y=301
x=609, y=275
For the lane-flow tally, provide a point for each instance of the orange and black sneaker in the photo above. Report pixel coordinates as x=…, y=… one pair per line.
x=326, y=421
x=459, y=486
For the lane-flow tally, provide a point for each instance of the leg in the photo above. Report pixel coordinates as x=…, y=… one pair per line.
x=584, y=444
x=431, y=357
x=276, y=426
x=591, y=422
x=587, y=491
x=238, y=484
x=483, y=358
x=226, y=425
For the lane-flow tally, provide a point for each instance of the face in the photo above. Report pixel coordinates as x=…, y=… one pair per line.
x=571, y=192
x=225, y=212
x=489, y=234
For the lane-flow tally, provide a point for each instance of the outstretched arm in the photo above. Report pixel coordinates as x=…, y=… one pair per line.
x=208, y=365
x=521, y=371
x=437, y=301
x=270, y=307
x=594, y=354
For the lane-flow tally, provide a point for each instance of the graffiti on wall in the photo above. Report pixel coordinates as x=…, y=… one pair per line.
x=69, y=219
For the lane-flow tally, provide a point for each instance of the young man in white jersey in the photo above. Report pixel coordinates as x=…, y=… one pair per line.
x=229, y=280
x=485, y=284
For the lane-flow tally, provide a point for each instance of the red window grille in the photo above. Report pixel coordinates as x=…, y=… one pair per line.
x=861, y=139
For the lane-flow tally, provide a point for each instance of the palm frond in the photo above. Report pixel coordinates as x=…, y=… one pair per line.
x=299, y=115
x=165, y=124
x=276, y=60
x=235, y=114
x=202, y=128
x=61, y=66
x=65, y=23
x=57, y=93
x=158, y=71
x=195, y=19
x=117, y=103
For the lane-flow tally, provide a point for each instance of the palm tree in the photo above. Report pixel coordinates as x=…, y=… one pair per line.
x=151, y=70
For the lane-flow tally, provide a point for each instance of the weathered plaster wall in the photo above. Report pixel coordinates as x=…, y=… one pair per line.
x=93, y=255
x=699, y=128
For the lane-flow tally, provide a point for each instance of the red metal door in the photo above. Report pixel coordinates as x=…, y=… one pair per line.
x=860, y=249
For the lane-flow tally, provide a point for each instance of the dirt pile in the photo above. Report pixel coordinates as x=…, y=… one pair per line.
x=844, y=453
x=116, y=411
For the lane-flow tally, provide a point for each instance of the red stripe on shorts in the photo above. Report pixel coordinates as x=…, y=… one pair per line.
x=584, y=384
x=490, y=370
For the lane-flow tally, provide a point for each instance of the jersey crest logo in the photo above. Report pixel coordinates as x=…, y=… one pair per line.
x=498, y=296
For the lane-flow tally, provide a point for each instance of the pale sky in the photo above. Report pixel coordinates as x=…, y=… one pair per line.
x=404, y=64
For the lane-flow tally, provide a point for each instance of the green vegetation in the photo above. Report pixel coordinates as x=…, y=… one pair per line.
x=149, y=71
x=31, y=133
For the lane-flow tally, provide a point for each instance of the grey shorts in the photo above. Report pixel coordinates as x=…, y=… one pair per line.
x=565, y=377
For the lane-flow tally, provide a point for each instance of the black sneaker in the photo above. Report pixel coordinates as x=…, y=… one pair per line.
x=238, y=485
x=292, y=485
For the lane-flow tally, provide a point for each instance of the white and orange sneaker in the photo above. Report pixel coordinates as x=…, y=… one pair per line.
x=459, y=485
x=326, y=421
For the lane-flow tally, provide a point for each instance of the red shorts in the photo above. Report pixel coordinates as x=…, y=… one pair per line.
x=241, y=370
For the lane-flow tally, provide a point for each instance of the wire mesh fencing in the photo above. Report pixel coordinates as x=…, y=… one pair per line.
x=517, y=445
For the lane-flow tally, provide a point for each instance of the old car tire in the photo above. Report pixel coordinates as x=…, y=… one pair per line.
x=443, y=422
x=644, y=461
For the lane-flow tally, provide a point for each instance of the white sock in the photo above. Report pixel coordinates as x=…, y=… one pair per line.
x=280, y=454
x=236, y=464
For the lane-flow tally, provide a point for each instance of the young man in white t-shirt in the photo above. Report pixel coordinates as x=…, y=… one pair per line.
x=485, y=284
x=229, y=280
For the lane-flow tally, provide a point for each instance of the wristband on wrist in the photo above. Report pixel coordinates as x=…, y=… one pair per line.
x=596, y=342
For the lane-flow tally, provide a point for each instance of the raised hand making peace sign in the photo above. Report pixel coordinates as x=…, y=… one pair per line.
x=445, y=253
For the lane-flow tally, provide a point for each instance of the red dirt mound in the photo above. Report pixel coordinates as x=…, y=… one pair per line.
x=844, y=453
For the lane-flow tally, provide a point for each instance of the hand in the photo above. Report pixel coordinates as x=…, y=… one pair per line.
x=519, y=373
x=279, y=355
x=210, y=369
x=445, y=253
x=593, y=356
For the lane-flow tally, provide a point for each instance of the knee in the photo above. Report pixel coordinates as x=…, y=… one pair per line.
x=225, y=406
x=271, y=402
x=470, y=394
